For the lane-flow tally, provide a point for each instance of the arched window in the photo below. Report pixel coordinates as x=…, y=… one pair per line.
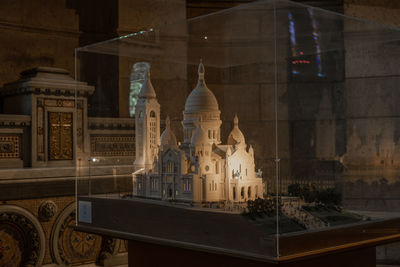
x=234, y=193
x=138, y=74
x=242, y=192
x=249, y=192
x=170, y=167
x=139, y=133
x=256, y=191
x=153, y=129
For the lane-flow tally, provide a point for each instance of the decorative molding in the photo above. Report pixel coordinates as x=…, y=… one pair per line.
x=111, y=145
x=47, y=81
x=14, y=120
x=22, y=239
x=96, y=123
x=37, y=90
x=37, y=29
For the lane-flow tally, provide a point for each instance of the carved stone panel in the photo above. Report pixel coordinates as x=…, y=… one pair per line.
x=60, y=136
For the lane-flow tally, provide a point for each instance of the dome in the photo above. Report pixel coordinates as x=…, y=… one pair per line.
x=201, y=98
x=199, y=136
x=147, y=90
x=236, y=135
x=168, y=138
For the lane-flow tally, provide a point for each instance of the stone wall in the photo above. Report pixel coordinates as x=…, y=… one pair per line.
x=34, y=33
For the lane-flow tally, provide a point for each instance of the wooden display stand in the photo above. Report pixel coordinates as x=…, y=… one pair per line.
x=163, y=234
x=143, y=254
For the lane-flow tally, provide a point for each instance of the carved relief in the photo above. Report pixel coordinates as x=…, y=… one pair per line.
x=22, y=240
x=71, y=247
x=112, y=145
x=60, y=136
x=10, y=146
x=47, y=210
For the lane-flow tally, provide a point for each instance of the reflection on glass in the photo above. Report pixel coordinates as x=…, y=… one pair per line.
x=138, y=73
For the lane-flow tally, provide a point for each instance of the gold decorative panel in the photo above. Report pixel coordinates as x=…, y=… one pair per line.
x=60, y=135
x=10, y=146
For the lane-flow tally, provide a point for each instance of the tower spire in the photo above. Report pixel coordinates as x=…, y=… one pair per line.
x=147, y=90
x=236, y=121
x=201, y=70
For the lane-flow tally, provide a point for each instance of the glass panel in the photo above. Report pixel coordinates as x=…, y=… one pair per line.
x=198, y=148
x=274, y=120
x=337, y=129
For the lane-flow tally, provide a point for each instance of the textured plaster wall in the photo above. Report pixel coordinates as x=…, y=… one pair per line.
x=382, y=11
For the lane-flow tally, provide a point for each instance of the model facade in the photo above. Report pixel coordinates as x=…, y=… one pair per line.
x=200, y=169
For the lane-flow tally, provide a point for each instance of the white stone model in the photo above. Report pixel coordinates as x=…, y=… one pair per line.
x=201, y=169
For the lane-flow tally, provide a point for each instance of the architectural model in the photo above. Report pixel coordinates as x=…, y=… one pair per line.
x=201, y=169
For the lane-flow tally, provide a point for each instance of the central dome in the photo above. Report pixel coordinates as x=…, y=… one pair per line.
x=201, y=98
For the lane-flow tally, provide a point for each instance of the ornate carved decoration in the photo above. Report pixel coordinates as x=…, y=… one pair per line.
x=112, y=146
x=71, y=247
x=47, y=210
x=14, y=120
x=22, y=240
x=109, y=247
x=48, y=102
x=60, y=136
x=111, y=123
x=10, y=146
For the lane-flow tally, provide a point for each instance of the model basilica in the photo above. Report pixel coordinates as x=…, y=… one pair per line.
x=199, y=170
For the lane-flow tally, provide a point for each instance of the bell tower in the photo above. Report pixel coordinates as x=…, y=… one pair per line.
x=147, y=124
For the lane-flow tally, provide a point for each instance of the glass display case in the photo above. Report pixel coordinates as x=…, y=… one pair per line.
x=249, y=131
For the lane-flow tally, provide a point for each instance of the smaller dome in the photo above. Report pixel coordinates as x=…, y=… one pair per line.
x=168, y=138
x=199, y=136
x=147, y=90
x=236, y=135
